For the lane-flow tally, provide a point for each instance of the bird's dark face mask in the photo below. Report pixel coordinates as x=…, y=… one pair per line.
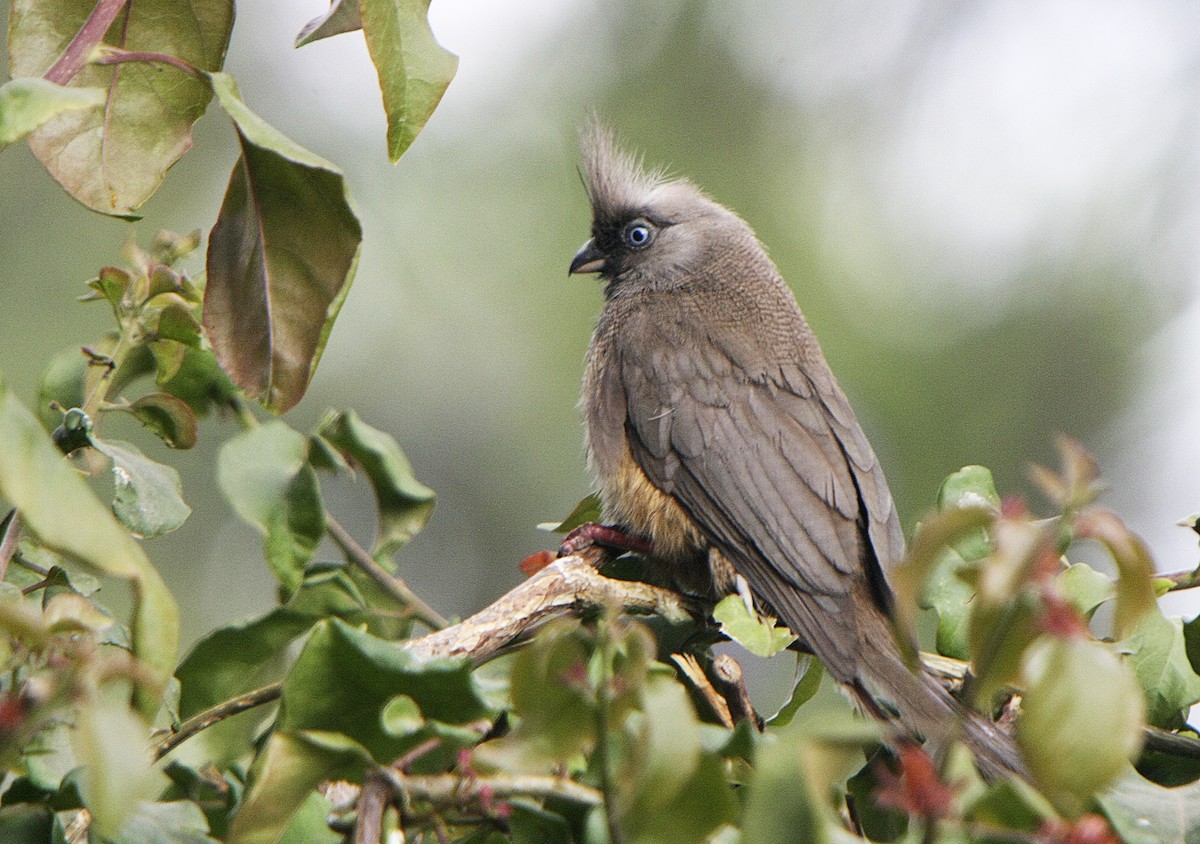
x=615, y=249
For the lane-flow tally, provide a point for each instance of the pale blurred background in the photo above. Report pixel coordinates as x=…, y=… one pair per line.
x=989, y=212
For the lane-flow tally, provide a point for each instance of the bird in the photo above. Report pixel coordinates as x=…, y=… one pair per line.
x=723, y=445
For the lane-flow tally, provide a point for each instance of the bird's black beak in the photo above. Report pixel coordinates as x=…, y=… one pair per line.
x=588, y=259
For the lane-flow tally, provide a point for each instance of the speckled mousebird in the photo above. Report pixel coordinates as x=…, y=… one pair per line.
x=718, y=434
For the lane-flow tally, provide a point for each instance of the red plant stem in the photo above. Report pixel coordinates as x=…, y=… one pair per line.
x=85, y=40
x=114, y=56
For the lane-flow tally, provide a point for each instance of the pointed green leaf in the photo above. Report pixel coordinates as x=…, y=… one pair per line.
x=404, y=503
x=265, y=474
x=168, y=417
x=806, y=685
x=759, y=634
x=280, y=259
x=414, y=70
x=1135, y=570
x=342, y=17
x=114, y=158
x=25, y=104
x=149, y=499
x=1158, y=655
x=59, y=508
x=587, y=510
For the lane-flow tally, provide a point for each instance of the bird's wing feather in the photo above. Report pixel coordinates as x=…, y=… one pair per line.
x=757, y=464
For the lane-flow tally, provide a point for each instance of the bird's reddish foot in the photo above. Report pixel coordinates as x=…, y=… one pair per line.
x=609, y=536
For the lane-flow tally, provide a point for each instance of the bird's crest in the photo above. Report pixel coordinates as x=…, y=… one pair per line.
x=616, y=181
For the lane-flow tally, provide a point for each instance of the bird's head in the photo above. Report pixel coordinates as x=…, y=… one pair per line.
x=648, y=232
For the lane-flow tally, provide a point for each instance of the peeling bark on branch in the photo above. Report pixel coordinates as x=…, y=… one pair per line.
x=568, y=587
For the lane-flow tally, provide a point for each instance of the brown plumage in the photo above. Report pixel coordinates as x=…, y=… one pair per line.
x=716, y=430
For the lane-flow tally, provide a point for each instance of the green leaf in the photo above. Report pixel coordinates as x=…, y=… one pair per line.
x=168, y=417
x=342, y=17
x=1012, y=804
x=552, y=696
x=110, y=284
x=344, y=678
x=1060, y=703
x=401, y=716
x=192, y=375
x=586, y=511
x=265, y=474
x=149, y=498
x=759, y=634
x=1135, y=570
x=113, y=159
x=65, y=515
x=1158, y=655
x=946, y=546
x=414, y=70
x=113, y=746
x=25, y=822
x=1143, y=812
x=797, y=772
x=280, y=259
x=403, y=502
x=805, y=687
x=232, y=659
x=1085, y=587
x=49, y=757
x=283, y=778
x=25, y=104
x=310, y=824
x=62, y=383
x=176, y=322
x=531, y=824
x=671, y=789
x=177, y=822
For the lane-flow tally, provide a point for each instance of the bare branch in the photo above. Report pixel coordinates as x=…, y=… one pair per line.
x=570, y=586
x=218, y=713
x=691, y=669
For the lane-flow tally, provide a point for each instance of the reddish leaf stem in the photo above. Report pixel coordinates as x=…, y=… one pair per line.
x=114, y=55
x=89, y=35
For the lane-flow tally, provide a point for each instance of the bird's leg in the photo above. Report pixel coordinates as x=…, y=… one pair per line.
x=609, y=536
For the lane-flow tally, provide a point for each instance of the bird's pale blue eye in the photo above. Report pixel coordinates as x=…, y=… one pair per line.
x=638, y=234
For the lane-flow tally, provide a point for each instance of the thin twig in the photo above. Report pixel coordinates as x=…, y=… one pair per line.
x=89, y=35
x=451, y=790
x=1172, y=743
x=690, y=668
x=1181, y=580
x=372, y=803
x=220, y=712
x=733, y=682
x=394, y=586
x=10, y=536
